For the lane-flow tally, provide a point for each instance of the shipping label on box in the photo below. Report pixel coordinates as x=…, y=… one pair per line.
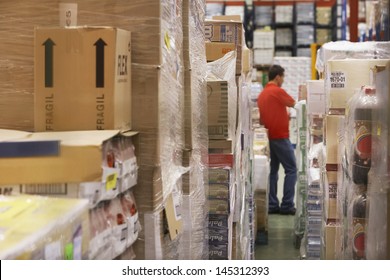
x=217, y=103
x=345, y=77
x=82, y=79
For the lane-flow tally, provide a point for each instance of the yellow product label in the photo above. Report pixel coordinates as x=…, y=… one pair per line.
x=111, y=181
x=167, y=40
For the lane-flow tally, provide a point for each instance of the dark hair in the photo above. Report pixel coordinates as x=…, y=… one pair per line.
x=275, y=70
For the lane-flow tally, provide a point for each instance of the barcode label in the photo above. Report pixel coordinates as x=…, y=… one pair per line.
x=337, y=80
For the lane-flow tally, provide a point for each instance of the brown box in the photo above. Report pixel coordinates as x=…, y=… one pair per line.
x=261, y=202
x=227, y=31
x=79, y=158
x=217, y=103
x=332, y=134
x=216, y=50
x=82, y=79
x=220, y=146
x=330, y=242
x=345, y=77
x=330, y=199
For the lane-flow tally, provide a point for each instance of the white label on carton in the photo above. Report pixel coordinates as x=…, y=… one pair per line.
x=129, y=166
x=176, y=205
x=337, y=80
x=68, y=14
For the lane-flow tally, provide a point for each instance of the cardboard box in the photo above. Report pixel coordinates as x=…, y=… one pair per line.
x=217, y=103
x=227, y=31
x=345, y=77
x=263, y=56
x=220, y=146
x=81, y=158
x=219, y=191
x=46, y=228
x=330, y=241
x=216, y=50
x=333, y=130
x=82, y=79
x=261, y=201
x=219, y=175
x=316, y=97
x=330, y=199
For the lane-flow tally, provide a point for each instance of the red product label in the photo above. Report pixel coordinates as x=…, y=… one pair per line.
x=220, y=160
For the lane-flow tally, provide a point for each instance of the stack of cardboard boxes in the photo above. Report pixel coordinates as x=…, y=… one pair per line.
x=195, y=182
x=343, y=78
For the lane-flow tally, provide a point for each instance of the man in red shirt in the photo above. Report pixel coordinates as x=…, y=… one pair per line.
x=273, y=102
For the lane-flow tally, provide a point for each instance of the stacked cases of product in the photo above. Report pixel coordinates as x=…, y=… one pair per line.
x=260, y=183
x=244, y=206
x=98, y=96
x=99, y=166
x=297, y=72
x=301, y=156
x=311, y=248
x=225, y=66
x=221, y=101
x=343, y=80
x=195, y=181
x=36, y=227
x=156, y=86
x=263, y=46
x=284, y=37
x=305, y=30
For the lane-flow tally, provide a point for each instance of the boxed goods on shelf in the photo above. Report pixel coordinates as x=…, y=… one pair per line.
x=345, y=77
x=95, y=165
x=217, y=102
x=42, y=228
x=82, y=79
x=227, y=31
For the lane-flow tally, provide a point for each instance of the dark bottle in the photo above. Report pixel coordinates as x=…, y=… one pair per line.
x=363, y=124
x=359, y=222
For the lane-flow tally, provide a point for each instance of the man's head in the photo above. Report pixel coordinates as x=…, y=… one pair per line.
x=276, y=74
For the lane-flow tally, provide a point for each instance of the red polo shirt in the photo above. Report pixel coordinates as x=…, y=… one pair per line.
x=272, y=103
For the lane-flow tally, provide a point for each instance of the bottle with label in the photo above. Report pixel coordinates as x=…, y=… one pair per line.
x=363, y=125
x=359, y=222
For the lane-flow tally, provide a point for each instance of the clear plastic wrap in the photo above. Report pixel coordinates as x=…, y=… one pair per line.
x=361, y=121
x=46, y=228
x=346, y=49
x=195, y=182
x=378, y=192
x=157, y=70
x=225, y=69
x=151, y=23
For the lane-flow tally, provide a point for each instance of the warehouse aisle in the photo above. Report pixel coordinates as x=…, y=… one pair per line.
x=280, y=240
x=280, y=233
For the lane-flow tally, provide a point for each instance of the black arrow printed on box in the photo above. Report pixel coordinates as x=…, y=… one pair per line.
x=49, y=43
x=100, y=62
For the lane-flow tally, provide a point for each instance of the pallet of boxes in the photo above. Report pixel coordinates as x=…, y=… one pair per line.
x=223, y=52
x=355, y=88
x=82, y=148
